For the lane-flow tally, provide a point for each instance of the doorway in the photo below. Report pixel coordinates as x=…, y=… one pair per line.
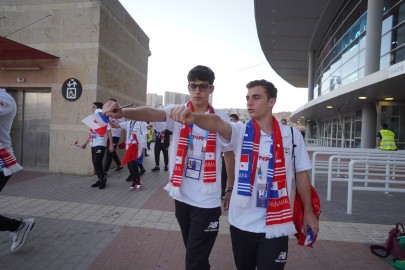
x=30, y=132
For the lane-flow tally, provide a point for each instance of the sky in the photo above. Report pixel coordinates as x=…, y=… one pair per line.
x=220, y=34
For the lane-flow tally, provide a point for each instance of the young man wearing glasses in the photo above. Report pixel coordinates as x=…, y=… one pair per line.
x=195, y=167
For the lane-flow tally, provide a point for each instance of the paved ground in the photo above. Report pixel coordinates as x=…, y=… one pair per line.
x=79, y=227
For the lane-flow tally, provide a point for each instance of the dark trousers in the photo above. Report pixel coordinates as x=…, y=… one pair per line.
x=134, y=171
x=109, y=157
x=7, y=224
x=199, y=228
x=165, y=150
x=97, y=155
x=252, y=250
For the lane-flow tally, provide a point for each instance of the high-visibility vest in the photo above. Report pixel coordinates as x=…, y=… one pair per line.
x=387, y=141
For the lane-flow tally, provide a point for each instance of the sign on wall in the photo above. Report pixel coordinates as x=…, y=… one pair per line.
x=72, y=89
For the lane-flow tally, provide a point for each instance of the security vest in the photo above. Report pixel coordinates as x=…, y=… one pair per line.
x=387, y=141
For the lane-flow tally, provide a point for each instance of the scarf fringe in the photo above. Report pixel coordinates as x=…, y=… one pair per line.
x=278, y=230
x=173, y=191
x=242, y=201
x=209, y=188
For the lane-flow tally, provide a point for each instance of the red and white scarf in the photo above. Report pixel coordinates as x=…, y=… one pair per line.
x=279, y=219
x=209, y=161
x=8, y=163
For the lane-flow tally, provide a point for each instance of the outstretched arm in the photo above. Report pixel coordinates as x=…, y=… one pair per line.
x=143, y=113
x=210, y=122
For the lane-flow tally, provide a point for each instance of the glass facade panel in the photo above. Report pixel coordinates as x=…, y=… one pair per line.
x=386, y=43
x=342, y=54
x=350, y=66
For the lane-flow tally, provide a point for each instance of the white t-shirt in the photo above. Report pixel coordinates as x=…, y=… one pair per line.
x=253, y=218
x=141, y=131
x=191, y=189
x=98, y=140
x=116, y=132
x=8, y=110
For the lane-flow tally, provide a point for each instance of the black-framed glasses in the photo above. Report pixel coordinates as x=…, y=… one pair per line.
x=202, y=87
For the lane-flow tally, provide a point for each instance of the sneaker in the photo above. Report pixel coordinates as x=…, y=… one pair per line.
x=138, y=187
x=21, y=235
x=96, y=184
x=119, y=168
x=157, y=168
x=142, y=172
x=166, y=169
x=132, y=187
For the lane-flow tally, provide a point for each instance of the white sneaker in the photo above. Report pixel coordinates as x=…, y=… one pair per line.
x=20, y=236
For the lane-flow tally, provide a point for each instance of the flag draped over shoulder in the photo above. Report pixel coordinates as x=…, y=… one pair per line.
x=97, y=122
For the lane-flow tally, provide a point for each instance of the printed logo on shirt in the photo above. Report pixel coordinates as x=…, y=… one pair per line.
x=282, y=258
x=198, y=137
x=213, y=227
x=287, y=151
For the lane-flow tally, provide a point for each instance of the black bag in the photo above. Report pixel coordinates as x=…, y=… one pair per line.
x=391, y=246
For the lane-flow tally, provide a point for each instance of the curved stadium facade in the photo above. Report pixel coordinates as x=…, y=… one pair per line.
x=350, y=54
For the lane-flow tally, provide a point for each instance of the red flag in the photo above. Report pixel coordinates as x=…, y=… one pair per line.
x=132, y=150
x=298, y=216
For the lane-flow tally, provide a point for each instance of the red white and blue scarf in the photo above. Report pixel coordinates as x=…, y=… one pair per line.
x=8, y=163
x=279, y=219
x=209, y=160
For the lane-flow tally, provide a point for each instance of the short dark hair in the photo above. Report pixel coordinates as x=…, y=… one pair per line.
x=99, y=105
x=234, y=115
x=384, y=126
x=271, y=91
x=201, y=73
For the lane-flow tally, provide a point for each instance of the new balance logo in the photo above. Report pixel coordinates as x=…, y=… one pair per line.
x=212, y=227
x=282, y=258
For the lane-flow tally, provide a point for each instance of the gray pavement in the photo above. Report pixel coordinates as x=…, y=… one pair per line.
x=79, y=227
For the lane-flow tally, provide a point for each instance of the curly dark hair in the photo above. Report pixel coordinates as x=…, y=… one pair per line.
x=271, y=91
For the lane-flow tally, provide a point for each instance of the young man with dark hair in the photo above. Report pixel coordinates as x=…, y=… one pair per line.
x=260, y=213
x=195, y=167
x=98, y=146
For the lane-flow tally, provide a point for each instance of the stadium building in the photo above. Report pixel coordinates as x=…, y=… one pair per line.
x=350, y=55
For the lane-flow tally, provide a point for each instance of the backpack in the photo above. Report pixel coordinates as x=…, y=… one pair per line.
x=392, y=245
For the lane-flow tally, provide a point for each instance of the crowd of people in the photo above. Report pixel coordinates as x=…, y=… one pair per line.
x=257, y=172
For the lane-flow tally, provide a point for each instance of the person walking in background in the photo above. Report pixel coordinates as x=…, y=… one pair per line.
x=260, y=213
x=98, y=145
x=195, y=174
x=162, y=144
x=385, y=139
x=19, y=229
x=135, y=136
x=110, y=156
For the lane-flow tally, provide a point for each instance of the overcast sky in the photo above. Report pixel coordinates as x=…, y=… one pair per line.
x=220, y=34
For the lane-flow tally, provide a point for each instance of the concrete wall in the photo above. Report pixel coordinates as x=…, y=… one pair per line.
x=98, y=43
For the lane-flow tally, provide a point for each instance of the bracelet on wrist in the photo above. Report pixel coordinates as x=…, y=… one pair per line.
x=228, y=190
